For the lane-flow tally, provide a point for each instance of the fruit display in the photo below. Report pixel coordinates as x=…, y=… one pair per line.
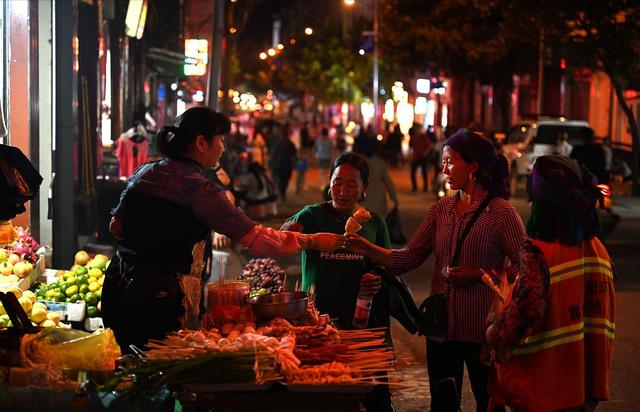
x=17, y=259
x=82, y=283
x=265, y=276
x=24, y=248
x=36, y=311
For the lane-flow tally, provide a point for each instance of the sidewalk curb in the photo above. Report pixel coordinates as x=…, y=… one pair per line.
x=627, y=207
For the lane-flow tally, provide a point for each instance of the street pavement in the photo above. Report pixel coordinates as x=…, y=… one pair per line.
x=623, y=245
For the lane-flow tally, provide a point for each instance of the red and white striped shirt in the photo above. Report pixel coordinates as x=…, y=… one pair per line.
x=496, y=236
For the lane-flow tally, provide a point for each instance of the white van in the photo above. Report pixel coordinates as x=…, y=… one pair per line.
x=530, y=139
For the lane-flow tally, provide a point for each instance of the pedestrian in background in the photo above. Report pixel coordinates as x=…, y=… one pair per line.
x=322, y=149
x=480, y=176
x=562, y=147
x=380, y=183
x=420, y=150
x=306, y=143
x=553, y=340
x=592, y=155
x=394, y=146
x=284, y=159
x=302, y=165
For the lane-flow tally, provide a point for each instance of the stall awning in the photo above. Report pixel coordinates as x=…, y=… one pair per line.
x=166, y=62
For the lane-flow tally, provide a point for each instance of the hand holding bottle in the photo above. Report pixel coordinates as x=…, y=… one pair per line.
x=370, y=284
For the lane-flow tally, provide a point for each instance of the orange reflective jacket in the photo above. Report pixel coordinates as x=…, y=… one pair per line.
x=565, y=358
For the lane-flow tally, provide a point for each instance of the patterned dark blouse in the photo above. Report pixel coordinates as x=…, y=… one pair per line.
x=528, y=299
x=494, y=239
x=167, y=207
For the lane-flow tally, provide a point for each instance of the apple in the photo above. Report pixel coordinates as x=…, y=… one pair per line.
x=4, y=255
x=6, y=268
x=15, y=290
x=22, y=269
x=29, y=265
x=13, y=259
x=81, y=258
x=26, y=304
x=99, y=262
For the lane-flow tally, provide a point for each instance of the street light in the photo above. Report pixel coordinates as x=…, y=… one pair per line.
x=271, y=52
x=308, y=31
x=349, y=2
x=263, y=56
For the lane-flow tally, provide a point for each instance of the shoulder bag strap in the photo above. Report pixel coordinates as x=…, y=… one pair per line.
x=467, y=229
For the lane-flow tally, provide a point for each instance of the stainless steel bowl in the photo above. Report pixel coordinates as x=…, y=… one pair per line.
x=288, y=305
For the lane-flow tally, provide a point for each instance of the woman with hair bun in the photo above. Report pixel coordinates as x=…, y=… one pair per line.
x=166, y=211
x=479, y=174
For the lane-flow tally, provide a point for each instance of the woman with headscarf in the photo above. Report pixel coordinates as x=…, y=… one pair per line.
x=553, y=338
x=472, y=166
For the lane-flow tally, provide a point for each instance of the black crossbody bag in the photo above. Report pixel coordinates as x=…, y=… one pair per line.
x=434, y=318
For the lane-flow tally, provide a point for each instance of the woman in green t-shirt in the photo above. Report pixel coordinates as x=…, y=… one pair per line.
x=337, y=275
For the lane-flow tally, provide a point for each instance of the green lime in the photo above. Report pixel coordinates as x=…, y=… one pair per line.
x=81, y=294
x=71, y=280
x=75, y=298
x=99, y=293
x=71, y=290
x=91, y=299
x=3, y=322
x=60, y=297
x=84, y=288
x=68, y=300
x=52, y=286
x=81, y=270
x=92, y=311
x=63, y=286
x=82, y=280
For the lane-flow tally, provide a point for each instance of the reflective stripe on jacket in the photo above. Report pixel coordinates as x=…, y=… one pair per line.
x=565, y=359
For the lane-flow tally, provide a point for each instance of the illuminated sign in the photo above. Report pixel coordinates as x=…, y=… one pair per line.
x=196, y=52
x=136, y=18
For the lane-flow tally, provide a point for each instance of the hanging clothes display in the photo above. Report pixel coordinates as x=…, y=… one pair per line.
x=131, y=153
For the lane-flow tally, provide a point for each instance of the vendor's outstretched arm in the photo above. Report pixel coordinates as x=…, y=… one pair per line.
x=378, y=254
x=271, y=242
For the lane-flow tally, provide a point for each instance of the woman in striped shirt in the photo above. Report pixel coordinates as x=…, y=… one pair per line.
x=473, y=168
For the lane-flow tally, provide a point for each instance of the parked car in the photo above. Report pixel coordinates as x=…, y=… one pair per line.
x=530, y=139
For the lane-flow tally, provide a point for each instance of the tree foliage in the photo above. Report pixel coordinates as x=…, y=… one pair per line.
x=603, y=35
x=488, y=41
x=328, y=70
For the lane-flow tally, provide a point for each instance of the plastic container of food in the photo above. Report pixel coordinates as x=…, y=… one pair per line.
x=229, y=292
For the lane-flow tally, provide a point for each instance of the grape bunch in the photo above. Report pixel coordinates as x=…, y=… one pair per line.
x=265, y=276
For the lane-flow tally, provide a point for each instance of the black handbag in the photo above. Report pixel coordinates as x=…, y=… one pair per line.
x=395, y=227
x=434, y=309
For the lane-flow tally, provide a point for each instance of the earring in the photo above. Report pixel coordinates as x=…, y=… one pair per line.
x=472, y=177
x=363, y=196
x=329, y=193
